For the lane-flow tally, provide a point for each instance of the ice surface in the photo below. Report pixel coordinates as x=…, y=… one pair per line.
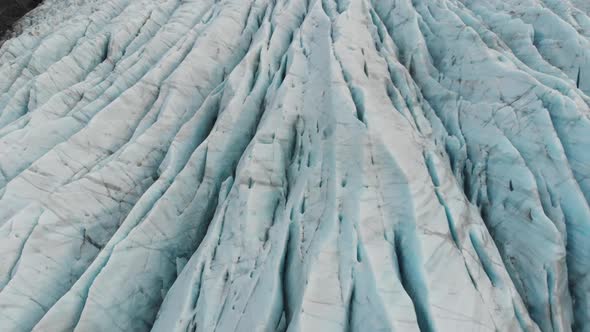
x=320, y=165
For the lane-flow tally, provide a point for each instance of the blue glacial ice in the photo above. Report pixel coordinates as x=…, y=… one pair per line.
x=290, y=165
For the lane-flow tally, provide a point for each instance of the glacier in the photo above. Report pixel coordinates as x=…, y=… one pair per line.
x=296, y=165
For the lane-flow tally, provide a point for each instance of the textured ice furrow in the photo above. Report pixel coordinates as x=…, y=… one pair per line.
x=247, y=183
x=122, y=171
x=312, y=318
x=16, y=235
x=184, y=241
x=94, y=88
x=317, y=279
x=151, y=81
x=295, y=165
x=135, y=241
x=404, y=232
x=71, y=304
x=518, y=204
x=555, y=37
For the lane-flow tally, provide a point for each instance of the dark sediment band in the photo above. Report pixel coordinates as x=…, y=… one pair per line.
x=12, y=10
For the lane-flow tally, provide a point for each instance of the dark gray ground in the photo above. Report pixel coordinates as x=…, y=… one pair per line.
x=12, y=10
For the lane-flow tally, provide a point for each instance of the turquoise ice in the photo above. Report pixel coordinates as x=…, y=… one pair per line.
x=296, y=165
